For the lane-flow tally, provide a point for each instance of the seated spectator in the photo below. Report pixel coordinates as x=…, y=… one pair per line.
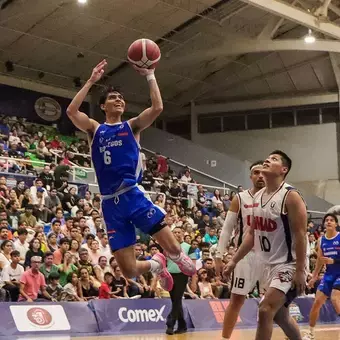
x=58, y=255
x=89, y=239
x=52, y=242
x=14, y=139
x=105, y=288
x=74, y=248
x=28, y=217
x=56, y=229
x=47, y=178
x=67, y=227
x=104, y=247
x=53, y=287
x=38, y=186
x=21, y=245
x=13, y=152
x=119, y=285
x=13, y=214
x=87, y=288
x=5, y=254
x=84, y=261
x=101, y=268
x=32, y=281
x=79, y=206
x=11, y=275
x=211, y=237
x=3, y=234
x=25, y=199
x=70, y=291
x=94, y=252
x=52, y=202
x=42, y=238
x=19, y=188
x=59, y=215
x=48, y=267
x=55, y=143
x=186, y=178
x=70, y=199
x=43, y=153
x=34, y=250
x=66, y=268
x=204, y=285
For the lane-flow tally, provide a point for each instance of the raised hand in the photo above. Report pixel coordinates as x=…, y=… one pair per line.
x=98, y=71
x=143, y=71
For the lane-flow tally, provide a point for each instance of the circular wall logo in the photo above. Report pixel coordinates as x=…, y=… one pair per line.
x=48, y=109
x=39, y=317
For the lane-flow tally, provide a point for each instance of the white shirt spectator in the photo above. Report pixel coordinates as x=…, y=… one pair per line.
x=9, y=274
x=4, y=260
x=21, y=248
x=74, y=211
x=186, y=179
x=34, y=195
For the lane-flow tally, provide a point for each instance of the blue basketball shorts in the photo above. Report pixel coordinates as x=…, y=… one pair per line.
x=131, y=210
x=328, y=283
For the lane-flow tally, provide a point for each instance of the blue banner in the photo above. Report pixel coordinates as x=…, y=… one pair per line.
x=37, y=107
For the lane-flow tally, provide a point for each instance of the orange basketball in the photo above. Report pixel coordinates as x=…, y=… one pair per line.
x=144, y=53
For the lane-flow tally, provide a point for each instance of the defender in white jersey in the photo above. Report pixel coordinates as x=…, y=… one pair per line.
x=279, y=235
x=238, y=221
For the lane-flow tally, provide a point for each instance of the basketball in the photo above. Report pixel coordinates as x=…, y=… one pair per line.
x=144, y=53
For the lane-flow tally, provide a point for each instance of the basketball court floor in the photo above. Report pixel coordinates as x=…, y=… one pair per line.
x=325, y=332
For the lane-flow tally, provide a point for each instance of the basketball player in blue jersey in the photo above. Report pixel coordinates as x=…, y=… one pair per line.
x=329, y=287
x=116, y=159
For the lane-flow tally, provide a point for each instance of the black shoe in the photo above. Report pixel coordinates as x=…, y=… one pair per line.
x=169, y=331
x=180, y=330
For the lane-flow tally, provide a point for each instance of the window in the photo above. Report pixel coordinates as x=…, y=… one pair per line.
x=257, y=121
x=330, y=114
x=180, y=127
x=307, y=116
x=282, y=118
x=209, y=124
x=234, y=123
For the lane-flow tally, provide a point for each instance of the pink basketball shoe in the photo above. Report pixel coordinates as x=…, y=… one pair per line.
x=166, y=281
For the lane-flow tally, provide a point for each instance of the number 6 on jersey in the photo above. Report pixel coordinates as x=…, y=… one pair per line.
x=107, y=157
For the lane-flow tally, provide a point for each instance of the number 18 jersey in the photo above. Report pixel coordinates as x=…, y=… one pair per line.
x=116, y=157
x=274, y=241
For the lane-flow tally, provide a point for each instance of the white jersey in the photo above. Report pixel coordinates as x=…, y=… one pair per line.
x=274, y=241
x=245, y=200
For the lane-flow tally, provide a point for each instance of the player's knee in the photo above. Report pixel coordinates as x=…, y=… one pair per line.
x=318, y=302
x=265, y=311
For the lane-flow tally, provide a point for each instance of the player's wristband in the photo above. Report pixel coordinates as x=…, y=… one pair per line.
x=150, y=77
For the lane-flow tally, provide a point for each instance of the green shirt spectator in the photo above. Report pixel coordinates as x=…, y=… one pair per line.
x=172, y=266
x=63, y=274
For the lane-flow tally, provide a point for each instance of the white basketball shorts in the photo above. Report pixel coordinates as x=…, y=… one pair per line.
x=246, y=273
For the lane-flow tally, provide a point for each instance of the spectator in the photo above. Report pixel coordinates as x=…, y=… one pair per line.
x=94, y=252
x=70, y=199
x=21, y=244
x=101, y=268
x=14, y=214
x=79, y=206
x=70, y=292
x=204, y=285
x=11, y=276
x=58, y=255
x=28, y=218
x=52, y=202
x=105, y=287
x=53, y=287
x=88, y=197
x=48, y=267
x=14, y=138
x=56, y=229
x=89, y=239
x=19, y=188
x=32, y=281
x=186, y=178
x=104, y=247
x=42, y=238
x=84, y=261
x=119, y=283
x=52, y=242
x=38, y=187
x=25, y=199
x=88, y=291
x=66, y=268
x=34, y=250
x=5, y=254
x=55, y=143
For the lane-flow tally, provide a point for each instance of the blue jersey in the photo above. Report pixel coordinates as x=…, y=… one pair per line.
x=331, y=248
x=116, y=157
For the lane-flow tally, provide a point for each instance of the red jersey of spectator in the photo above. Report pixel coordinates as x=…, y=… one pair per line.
x=162, y=165
x=104, y=291
x=55, y=144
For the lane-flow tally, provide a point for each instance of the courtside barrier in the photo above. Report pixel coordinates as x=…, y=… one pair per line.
x=132, y=316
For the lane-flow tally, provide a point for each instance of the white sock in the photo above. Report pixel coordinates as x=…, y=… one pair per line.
x=155, y=267
x=311, y=329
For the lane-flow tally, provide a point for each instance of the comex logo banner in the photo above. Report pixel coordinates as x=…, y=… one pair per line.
x=141, y=315
x=218, y=308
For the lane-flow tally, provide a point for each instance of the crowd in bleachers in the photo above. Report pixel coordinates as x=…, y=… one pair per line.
x=53, y=240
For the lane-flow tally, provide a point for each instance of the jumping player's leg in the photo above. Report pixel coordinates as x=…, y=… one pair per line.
x=335, y=298
x=231, y=314
x=287, y=324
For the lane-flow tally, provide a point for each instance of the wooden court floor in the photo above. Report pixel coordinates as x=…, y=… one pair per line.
x=325, y=332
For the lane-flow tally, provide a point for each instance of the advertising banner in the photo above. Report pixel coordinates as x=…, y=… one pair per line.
x=209, y=314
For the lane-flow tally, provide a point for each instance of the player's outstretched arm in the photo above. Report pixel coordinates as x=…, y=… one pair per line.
x=229, y=224
x=148, y=116
x=80, y=119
